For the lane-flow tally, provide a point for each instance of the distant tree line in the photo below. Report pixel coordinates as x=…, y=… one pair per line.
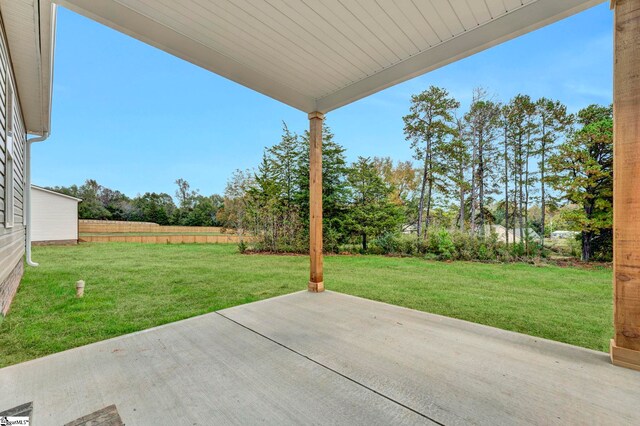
x=526, y=164
x=500, y=158
x=191, y=209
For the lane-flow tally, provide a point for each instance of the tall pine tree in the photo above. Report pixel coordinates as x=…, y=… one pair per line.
x=429, y=125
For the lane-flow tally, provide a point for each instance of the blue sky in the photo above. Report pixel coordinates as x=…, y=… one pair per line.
x=135, y=118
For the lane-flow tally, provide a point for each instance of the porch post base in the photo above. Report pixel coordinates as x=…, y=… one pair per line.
x=623, y=357
x=316, y=287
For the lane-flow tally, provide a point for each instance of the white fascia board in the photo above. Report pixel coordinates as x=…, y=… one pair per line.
x=47, y=49
x=525, y=19
x=59, y=194
x=123, y=19
x=30, y=33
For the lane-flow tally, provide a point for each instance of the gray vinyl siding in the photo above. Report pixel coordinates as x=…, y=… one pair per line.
x=12, y=240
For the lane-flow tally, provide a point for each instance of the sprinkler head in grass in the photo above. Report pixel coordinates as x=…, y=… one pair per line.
x=80, y=288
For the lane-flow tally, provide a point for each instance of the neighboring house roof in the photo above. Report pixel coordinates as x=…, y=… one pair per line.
x=318, y=55
x=29, y=26
x=39, y=188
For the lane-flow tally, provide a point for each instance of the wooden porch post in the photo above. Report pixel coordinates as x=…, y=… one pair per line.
x=625, y=346
x=316, y=283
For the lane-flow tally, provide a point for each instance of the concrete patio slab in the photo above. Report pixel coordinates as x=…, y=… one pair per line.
x=452, y=371
x=202, y=371
x=326, y=358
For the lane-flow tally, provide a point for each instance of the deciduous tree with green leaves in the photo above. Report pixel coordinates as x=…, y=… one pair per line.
x=582, y=170
x=156, y=208
x=233, y=213
x=404, y=179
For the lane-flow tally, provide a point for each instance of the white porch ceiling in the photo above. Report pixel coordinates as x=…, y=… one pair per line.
x=322, y=54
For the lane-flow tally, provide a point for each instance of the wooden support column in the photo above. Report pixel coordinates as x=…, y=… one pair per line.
x=316, y=283
x=625, y=346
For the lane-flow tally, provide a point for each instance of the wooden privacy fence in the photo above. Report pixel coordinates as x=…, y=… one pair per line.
x=122, y=222
x=163, y=239
x=114, y=227
x=104, y=231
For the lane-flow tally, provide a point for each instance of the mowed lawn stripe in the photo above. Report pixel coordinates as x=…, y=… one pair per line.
x=130, y=287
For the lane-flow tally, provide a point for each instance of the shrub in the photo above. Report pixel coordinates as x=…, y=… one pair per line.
x=407, y=245
x=483, y=252
x=387, y=244
x=330, y=240
x=441, y=244
x=444, y=244
x=421, y=247
x=517, y=249
x=575, y=246
x=374, y=249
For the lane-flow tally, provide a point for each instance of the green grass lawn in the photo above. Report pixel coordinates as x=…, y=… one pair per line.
x=131, y=287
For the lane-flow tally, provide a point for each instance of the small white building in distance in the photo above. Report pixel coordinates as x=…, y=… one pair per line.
x=562, y=235
x=54, y=217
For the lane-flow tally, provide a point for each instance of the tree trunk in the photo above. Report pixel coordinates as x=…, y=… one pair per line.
x=526, y=193
x=587, y=236
x=515, y=190
x=426, y=220
x=421, y=202
x=472, y=217
x=429, y=178
x=364, y=242
x=481, y=184
x=586, y=245
x=506, y=189
x=461, y=210
x=542, y=194
x=520, y=190
x=515, y=201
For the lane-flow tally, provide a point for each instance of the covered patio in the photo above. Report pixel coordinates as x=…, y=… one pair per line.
x=326, y=358
x=323, y=357
x=321, y=56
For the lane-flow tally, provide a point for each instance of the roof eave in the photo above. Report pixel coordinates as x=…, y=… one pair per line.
x=47, y=23
x=55, y=193
x=29, y=26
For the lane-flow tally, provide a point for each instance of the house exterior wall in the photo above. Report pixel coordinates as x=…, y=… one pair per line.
x=12, y=238
x=54, y=218
x=9, y=287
